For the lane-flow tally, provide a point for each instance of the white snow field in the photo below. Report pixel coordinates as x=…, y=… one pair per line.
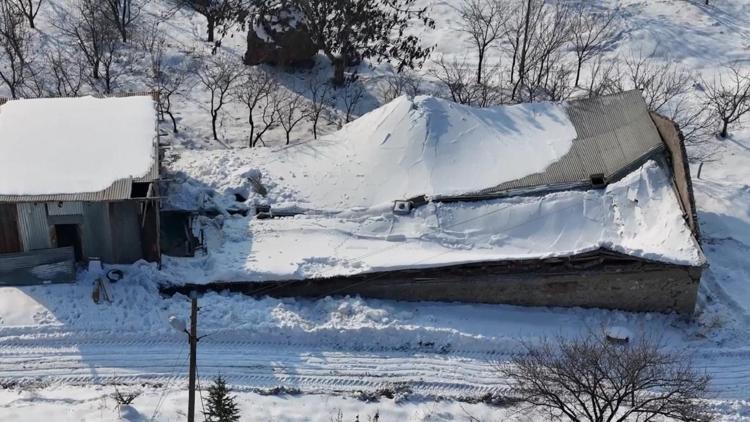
x=72, y=145
x=60, y=352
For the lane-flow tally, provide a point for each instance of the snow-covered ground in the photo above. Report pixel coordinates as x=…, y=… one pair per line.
x=59, y=350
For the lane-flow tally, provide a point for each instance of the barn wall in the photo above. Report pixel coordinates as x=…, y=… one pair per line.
x=33, y=227
x=9, y=239
x=110, y=231
x=673, y=139
x=654, y=287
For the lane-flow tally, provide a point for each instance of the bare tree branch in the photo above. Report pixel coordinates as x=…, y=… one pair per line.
x=728, y=96
x=590, y=378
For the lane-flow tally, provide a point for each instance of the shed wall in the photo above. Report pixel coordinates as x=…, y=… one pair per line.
x=9, y=239
x=33, y=227
x=96, y=237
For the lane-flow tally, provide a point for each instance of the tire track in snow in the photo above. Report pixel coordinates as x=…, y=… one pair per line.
x=249, y=365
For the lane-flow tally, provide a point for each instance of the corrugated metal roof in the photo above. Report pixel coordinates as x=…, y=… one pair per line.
x=615, y=133
x=119, y=190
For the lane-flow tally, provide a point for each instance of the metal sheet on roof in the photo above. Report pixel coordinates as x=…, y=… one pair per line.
x=117, y=191
x=615, y=133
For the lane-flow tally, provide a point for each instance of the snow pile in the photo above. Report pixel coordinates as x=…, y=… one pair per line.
x=639, y=216
x=72, y=145
x=432, y=146
x=424, y=146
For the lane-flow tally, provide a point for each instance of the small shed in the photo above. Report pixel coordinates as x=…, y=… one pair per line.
x=78, y=181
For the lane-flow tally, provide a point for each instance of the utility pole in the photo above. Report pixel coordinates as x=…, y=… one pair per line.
x=193, y=335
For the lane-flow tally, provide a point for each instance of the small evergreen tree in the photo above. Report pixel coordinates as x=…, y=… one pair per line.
x=220, y=406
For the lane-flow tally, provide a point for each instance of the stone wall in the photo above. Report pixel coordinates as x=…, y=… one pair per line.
x=629, y=286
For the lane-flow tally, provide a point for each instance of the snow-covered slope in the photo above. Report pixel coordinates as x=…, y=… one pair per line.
x=72, y=145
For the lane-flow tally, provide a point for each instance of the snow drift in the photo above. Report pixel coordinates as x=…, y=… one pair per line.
x=421, y=146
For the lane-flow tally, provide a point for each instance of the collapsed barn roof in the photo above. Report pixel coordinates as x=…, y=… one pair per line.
x=512, y=183
x=76, y=149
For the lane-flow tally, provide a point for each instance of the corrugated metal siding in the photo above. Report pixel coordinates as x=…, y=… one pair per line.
x=96, y=234
x=126, y=232
x=32, y=226
x=65, y=208
x=614, y=133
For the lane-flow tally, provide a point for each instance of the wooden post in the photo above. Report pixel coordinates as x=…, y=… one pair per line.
x=193, y=350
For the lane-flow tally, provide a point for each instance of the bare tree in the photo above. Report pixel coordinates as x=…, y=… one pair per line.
x=456, y=77
x=67, y=75
x=728, y=96
x=29, y=8
x=320, y=99
x=290, y=109
x=353, y=92
x=696, y=125
x=96, y=38
x=661, y=83
x=219, y=76
x=593, y=379
x=591, y=31
x=15, y=43
x=483, y=21
x=254, y=91
x=604, y=78
x=269, y=118
x=165, y=79
x=122, y=14
x=397, y=84
x=535, y=34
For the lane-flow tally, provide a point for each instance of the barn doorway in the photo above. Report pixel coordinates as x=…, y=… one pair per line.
x=69, y=235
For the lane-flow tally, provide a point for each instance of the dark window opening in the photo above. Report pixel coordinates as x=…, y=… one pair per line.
x=69, y=235
x=140, y=190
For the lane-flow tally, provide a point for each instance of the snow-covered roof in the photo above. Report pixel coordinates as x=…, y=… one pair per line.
x=424, y=146
x=638, y=216
x=76, y=148
x=345, y=185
